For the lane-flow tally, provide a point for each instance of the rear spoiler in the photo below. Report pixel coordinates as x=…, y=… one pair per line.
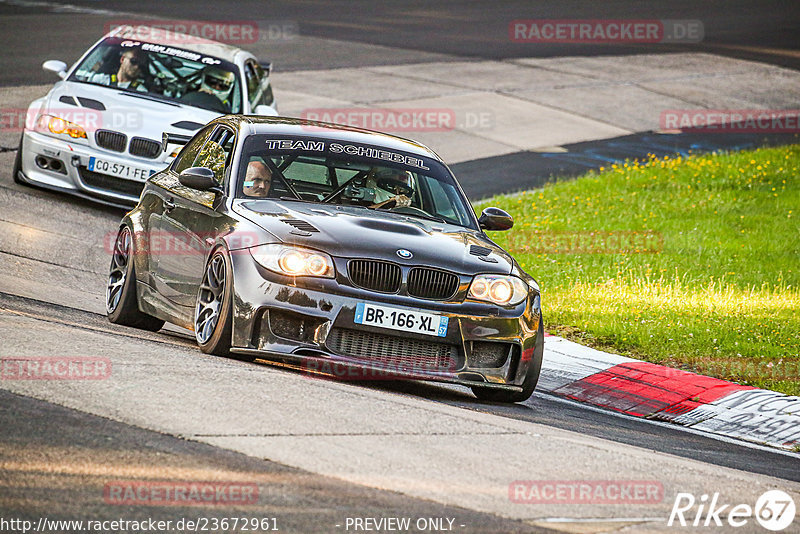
x=173, y=139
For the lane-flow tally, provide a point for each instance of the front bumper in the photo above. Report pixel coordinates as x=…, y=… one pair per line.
x=311, y=326
x=72, y=175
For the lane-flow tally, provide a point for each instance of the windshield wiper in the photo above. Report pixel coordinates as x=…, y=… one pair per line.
x=417, y=215
x=300, y=199
x=428, y=217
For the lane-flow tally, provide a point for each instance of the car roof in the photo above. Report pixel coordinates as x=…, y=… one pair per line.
x=179, y=40
x=257, y=124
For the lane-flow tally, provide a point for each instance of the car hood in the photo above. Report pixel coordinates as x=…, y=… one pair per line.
x=353, y=232
x=134, y=115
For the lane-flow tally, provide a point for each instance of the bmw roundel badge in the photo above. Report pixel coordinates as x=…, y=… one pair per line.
x=405, y=254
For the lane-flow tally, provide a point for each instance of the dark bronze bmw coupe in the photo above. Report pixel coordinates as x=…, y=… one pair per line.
x=327, y=247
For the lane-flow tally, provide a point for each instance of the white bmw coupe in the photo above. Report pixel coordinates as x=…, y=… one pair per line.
x=97, y=133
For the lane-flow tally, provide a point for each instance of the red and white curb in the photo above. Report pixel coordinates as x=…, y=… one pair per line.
x=657, y=392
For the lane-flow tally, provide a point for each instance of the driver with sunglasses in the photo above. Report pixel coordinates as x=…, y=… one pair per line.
x=131, y=73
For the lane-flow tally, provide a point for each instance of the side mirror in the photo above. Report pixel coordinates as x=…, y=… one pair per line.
x=495, y=219
x=54, y=65
x=200, y=178
x=263, y=109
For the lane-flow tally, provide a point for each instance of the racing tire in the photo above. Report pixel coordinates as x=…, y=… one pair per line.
x=528, y=385
x=213, y=315
x=18, y=164
x=122, y=306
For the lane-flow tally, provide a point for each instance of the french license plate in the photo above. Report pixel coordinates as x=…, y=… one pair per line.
x=119, y=169
x=430, y=324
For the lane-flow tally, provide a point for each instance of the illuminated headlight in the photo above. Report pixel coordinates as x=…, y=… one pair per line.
x=59, y=126
x=498, y=289
x=293, y=261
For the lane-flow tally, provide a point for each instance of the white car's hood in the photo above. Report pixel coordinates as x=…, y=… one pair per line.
x=126, y=112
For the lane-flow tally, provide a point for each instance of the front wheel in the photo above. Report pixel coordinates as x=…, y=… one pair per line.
x=18, y=163
x=122, y=306
x=213, y=322
x=528, y=385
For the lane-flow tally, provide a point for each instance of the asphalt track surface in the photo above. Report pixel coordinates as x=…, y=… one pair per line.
x=298, y=501
x=34, y=429
x=761, y=30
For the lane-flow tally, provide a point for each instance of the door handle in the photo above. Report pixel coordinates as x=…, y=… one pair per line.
x=169, y=204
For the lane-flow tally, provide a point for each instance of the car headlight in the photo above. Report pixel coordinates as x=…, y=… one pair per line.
x=498, y=289
x=59, y=126
x=293, y=261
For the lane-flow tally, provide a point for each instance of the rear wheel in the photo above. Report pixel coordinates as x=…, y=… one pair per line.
x=528, y=385
x=122, y=306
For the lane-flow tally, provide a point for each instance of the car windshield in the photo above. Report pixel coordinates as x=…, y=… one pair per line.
x=325, y=171
x=164, y=72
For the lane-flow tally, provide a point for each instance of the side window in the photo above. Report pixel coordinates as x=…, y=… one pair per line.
x=441, y=195
x=259, y=90
x=252, y=81
x=216, y=153
x=253, y=85
x=186, y=157
x=266, y=87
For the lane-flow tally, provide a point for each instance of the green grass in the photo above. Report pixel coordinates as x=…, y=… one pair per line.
x=713, y=285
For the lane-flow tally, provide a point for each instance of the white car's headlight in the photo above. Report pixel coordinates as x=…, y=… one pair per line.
x=498, y=289
x=59, y=126
x=293, y=261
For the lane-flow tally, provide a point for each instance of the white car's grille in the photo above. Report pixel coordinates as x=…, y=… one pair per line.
x=145, y=148
x=111, y=140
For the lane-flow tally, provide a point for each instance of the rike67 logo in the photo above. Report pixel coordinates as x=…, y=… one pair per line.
x=774, y=510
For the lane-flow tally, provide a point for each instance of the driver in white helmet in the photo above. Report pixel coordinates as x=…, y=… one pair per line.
x=218, y=82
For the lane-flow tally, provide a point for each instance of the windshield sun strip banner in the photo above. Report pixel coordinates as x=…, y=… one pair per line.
x=338, y=148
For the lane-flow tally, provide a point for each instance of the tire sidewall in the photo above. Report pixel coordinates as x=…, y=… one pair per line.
x=18, y=161
x=127, y=298
x=220, y=341
x=531, y=376
x=535, y=365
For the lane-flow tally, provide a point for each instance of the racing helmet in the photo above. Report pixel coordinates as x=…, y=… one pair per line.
x=396, y=181
x=218, y=82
